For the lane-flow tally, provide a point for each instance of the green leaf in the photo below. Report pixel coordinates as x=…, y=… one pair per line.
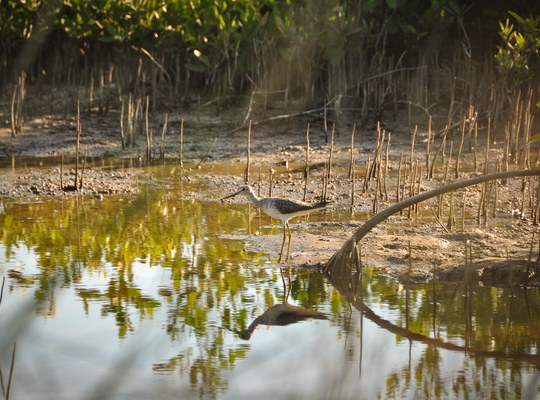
x=531, y=25
x=520, y=39
x=199, y=67
x=279, y=24
x=517, y=17
x=534, y=139
x=393, y=4
x=369, y=5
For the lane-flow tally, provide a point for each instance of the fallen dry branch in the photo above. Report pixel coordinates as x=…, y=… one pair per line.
x=316, y=111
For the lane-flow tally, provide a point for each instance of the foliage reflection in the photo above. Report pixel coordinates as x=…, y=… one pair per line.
x=110, y=252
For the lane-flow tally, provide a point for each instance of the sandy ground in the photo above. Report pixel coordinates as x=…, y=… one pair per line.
x=500, y=251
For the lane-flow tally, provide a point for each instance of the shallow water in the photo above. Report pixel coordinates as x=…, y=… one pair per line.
x=151, y=296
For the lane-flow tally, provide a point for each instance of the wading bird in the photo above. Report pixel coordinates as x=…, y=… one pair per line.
x=280, y=208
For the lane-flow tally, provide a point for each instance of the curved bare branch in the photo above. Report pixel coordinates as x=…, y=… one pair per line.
x=344, y=255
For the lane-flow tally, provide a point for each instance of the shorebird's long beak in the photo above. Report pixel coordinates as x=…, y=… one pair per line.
x=231, y=195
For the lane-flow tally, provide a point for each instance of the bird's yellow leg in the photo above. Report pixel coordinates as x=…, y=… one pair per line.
x=282, y=244
x=289, y=246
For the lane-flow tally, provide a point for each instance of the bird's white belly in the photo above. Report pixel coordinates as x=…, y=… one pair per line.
x=273, y=212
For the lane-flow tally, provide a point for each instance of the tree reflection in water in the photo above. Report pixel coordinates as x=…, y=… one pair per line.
x=493, y=328
x=157, y=269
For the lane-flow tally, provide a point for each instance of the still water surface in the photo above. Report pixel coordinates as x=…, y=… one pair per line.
x=151, y=296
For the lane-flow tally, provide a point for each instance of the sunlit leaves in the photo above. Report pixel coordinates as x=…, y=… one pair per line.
x=536, y=137
x=518, y=45
x=234, y=39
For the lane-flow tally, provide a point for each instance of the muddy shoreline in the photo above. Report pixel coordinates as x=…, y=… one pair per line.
x=501, y=250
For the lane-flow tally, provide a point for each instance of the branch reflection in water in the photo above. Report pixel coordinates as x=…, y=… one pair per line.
x=482, y=320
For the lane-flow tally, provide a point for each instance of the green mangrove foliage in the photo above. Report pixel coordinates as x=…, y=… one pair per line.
x=518, y=54
x=520, y=47
x=369, y=57
x=230, y=45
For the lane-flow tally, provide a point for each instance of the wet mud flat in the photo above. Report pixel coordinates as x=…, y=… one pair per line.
x=420, y=244
x=47, y=182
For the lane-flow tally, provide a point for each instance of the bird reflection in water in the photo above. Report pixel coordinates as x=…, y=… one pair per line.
x=281, y=314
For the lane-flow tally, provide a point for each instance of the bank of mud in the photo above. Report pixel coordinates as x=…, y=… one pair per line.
x=497, y=252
